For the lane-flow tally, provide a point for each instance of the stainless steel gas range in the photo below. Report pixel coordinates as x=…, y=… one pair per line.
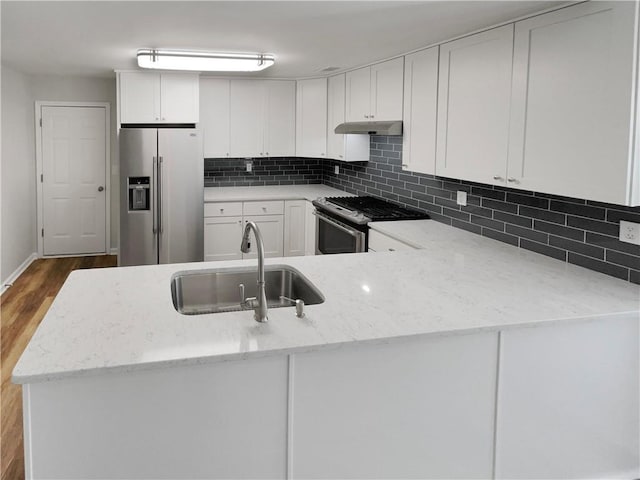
x=342, y=222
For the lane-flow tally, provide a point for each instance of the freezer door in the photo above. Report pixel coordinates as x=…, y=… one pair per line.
x=181, y=195
x=138, y=242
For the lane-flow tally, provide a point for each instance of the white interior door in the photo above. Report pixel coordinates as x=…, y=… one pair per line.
x=74, y=156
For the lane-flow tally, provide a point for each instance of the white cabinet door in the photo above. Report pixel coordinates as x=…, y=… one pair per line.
x=423, y=408
x=179, y=94
x=294, y=227
x=335, y=116
x=473, y=106
x=214, y=116
x=386, y=90
x=280, y=119
x=572, y=101
x=311, y=118
x=346, y=148
x=310, y=229
x=568, y=401
x=139, y=97
x=222, y=238
x=420, y=111
x=246, y=118
x=358, y=95
x=272, y=230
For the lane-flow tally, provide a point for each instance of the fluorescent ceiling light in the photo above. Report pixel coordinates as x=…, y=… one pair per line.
x=204, y=61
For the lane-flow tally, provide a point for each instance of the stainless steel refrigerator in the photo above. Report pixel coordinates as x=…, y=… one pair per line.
x=161, y=196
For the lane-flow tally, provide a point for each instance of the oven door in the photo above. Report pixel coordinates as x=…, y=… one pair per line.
x=335, y=236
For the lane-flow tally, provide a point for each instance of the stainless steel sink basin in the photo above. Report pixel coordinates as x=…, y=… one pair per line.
x=217, y=290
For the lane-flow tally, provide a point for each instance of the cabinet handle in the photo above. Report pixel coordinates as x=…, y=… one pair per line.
x=512, y=180
x=405, y=164
x=497, y=177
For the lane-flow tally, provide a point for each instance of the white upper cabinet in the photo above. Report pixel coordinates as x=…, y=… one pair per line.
x=473, y=106
x=573, y=93
x=348, y=148
x=214, y=116
x=246, y=121
x=179, y=97
x=280, y=118
x=159, y=97
x=311, y=118
x=375, y=93
x=248, y=118
x=420, y=111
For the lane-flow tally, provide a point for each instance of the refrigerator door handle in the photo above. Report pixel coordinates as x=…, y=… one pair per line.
x=154, y=183
x=160, y=194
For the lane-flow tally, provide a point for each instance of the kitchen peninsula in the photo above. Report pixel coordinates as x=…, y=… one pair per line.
x=467, y=348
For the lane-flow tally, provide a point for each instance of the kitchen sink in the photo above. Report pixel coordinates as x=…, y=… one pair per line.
x=198, y=292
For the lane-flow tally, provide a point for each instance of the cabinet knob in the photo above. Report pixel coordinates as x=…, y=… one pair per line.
x=163, y=118
x=227, y=154
x=366, y=116
x=405, y=164
x=322, y=154
x=221, y=210
x=497, y=177
x=157, y=118
x=267, y=153
x=370, y=116
x=340, y=156
x=512, y=180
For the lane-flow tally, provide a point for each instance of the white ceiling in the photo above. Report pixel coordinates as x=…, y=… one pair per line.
x=92, y=38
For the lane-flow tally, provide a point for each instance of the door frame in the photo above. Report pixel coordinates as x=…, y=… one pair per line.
x=39, y=169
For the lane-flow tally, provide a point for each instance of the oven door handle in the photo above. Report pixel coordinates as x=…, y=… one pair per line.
x=338, y=225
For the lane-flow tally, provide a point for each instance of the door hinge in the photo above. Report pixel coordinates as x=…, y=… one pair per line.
x=42, y=233
x=41, y=178
x=41, y=121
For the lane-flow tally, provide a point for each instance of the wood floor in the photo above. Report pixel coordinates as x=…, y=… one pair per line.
x=22, y=308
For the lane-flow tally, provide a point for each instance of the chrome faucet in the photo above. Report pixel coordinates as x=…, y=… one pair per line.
x=259, y=303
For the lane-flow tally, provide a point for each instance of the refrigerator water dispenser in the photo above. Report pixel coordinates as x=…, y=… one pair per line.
x=138, y=193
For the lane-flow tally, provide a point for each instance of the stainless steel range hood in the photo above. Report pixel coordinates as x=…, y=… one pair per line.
x=371, y=128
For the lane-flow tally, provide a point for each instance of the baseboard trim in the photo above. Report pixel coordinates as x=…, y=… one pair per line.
x=14, y=276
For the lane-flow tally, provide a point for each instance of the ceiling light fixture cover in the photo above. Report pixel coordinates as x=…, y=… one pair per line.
x=203, y=61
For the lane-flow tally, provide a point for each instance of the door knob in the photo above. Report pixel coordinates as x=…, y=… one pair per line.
x=100, y=188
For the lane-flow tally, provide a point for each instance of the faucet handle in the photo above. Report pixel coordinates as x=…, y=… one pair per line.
x=242, y=299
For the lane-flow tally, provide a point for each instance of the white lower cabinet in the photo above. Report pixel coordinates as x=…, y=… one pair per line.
x=568, y=401
x=271, y=229
x=310, y=229
x=544, y=402
x=222, y=236
x=379, y=242
x=423, y=408
x=287, y=228
x=294, y=232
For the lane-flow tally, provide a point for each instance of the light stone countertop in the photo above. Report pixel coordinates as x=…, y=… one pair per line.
x=122, y=319
x=272, y=192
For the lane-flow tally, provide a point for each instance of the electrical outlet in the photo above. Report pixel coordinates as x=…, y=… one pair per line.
x=249, y=166
x=630, y=232
x=336, y=169
x=461, y=198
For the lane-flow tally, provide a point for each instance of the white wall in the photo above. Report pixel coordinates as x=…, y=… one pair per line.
x=18, y=198
x=86, y=89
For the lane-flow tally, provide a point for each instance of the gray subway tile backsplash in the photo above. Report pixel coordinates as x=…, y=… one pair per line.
x=578, y=231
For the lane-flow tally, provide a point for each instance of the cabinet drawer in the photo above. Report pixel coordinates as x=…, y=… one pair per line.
x=275, y=207
x=223, y=209
x=381, y=243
